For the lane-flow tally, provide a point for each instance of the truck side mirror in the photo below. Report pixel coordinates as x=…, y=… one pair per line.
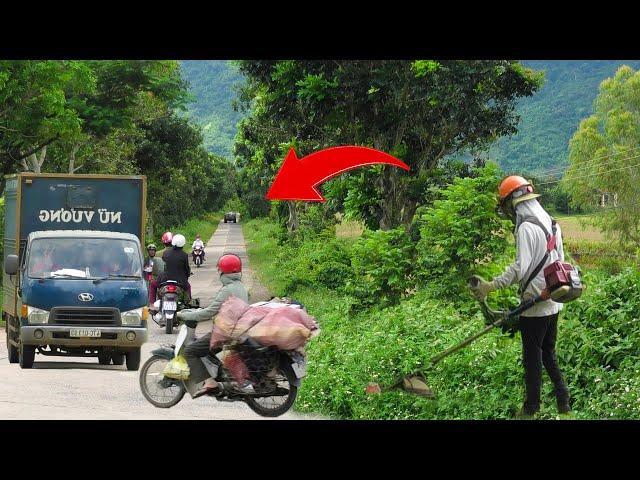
x=11, y=264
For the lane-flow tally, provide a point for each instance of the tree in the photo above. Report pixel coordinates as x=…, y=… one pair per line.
x=421, y=112
x=604, y=156
x=34, y=108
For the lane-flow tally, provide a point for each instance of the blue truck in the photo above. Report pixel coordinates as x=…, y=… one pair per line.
x=72, y=280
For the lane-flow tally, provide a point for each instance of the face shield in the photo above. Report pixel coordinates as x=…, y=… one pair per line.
x=507, y=207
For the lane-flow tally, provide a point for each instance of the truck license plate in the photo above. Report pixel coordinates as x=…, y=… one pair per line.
x=85, y=332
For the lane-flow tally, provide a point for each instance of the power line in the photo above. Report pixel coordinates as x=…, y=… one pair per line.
x=554, y=171
x=593, y=174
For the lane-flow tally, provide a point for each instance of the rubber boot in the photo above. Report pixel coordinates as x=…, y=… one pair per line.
x=527, y=412
x=564, y=405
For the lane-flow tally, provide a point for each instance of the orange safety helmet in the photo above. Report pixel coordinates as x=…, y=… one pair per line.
x=511, y=184
x=513, y=190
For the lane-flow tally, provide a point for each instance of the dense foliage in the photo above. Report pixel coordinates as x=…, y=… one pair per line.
x=113, y=117
x=421, y=112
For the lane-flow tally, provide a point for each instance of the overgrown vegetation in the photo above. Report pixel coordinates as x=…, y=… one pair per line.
x=394, y=312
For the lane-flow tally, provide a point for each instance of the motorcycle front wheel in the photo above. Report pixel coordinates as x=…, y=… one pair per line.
x=151, y=384
x=274, y=406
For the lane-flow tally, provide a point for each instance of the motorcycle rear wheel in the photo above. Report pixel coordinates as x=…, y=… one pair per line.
x=168, y=328
x=162, y=397
x=266, y=406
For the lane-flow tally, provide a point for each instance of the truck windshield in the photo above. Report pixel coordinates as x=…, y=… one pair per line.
x=83, y=258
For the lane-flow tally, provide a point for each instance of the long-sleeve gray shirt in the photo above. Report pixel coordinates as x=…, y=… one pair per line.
x=231, y=285
x=531, y=245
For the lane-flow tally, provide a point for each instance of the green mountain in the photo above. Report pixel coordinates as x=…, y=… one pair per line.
x=551, y=116
x=548, y=119
x=213, y=84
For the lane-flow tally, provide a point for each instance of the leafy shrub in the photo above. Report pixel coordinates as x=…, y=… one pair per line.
x=324, y=262
x=382, y=263
x=460, y=231
x=598, y=344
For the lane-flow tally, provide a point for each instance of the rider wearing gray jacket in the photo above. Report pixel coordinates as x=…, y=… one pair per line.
x=230, y=268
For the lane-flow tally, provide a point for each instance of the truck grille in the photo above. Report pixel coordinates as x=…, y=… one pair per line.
x=85, y=316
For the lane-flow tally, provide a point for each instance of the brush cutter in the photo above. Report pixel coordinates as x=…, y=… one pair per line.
x=416, y=383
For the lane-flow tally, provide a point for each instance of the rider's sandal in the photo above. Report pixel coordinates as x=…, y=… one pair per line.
x=207, y=390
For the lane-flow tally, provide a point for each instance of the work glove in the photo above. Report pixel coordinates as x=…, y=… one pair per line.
x=483, y=289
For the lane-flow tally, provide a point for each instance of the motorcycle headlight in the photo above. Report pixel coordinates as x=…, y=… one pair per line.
x=36, y=315
x=132, y=317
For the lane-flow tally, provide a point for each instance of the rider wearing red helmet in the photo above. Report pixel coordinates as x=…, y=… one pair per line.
x=230, y=270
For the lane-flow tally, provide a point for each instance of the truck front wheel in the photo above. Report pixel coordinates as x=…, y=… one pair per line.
x=27, y=355
x=104, y=359
x=133, y=359
x=13, y=351
x=117, y=358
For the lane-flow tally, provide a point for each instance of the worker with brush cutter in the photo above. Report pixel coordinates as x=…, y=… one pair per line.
x=538, y=244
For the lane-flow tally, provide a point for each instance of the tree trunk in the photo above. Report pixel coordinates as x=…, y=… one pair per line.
x=34, y=163
x=392, y=202
x=292, y=222
x=72, y=159
x=149, y=224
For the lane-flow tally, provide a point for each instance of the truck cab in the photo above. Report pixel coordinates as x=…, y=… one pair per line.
x=74, y=292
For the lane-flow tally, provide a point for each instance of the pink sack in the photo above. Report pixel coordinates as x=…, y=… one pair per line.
x=233, y=308
x=285, y=328
x=228, y=321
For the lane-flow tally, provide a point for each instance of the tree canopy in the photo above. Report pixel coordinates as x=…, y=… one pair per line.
x=420, y=112
x=604, y=156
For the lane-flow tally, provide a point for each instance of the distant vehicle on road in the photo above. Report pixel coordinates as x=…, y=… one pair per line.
x=73, y=267
x=230, y=217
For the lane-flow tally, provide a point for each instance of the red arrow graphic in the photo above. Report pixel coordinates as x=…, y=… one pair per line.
x=298, y=178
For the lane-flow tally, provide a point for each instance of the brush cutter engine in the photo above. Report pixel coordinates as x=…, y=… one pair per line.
x=563, y=282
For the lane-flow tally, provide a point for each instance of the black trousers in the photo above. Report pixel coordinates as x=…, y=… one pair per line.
x=538, y=349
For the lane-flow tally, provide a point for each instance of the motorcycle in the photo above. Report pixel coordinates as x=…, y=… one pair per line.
x=275, y=375
x=148, y=272
x=171, y=301
x=197, y=257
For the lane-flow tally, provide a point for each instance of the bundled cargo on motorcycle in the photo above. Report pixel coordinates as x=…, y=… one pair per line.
x=285, y=326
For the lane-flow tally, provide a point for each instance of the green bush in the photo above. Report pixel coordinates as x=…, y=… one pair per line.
x=324, y=262
x=460, y=231
x=382, y=263
x=598, y=337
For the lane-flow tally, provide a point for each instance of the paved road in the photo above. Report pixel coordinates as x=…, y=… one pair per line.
x=83, y=389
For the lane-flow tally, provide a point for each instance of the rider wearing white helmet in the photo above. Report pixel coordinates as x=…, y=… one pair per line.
x=176, y=267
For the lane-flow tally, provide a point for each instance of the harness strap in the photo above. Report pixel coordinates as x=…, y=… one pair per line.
x=551, y=245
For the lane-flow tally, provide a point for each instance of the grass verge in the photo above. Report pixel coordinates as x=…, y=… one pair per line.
x=598, y=341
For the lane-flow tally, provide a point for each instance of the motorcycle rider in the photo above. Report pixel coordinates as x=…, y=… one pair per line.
x=230, y=270
x=167, y=237
x=538, y=325
x=176, y=267
x=198, y=243
x=155, y=264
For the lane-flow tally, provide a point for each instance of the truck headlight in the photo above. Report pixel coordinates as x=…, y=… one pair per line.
x=35, y=315
x=132, y=317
